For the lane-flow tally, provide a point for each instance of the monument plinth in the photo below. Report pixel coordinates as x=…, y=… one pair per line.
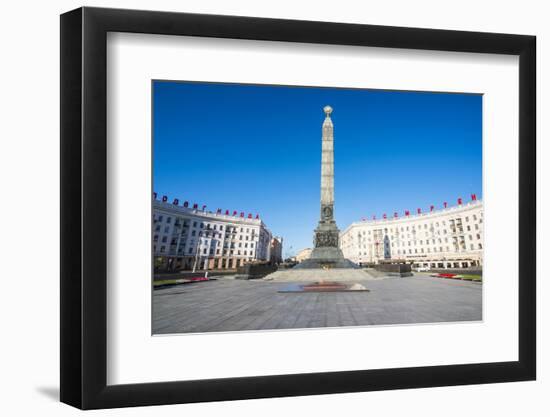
x=326, y=252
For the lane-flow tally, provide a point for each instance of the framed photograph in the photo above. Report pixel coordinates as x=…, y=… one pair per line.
x=258, y=208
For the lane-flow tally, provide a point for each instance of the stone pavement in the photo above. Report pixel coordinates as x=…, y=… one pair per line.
x=231, y=305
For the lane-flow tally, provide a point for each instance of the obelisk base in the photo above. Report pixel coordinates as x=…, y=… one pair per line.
x=326, y=254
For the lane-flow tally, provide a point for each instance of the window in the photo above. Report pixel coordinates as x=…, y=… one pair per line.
x=160, y=218
x=164, y=238
x=166, y=229
x=168, y=220
x=162, y=249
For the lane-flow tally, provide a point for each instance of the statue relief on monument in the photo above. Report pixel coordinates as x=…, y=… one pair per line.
x=326, y=239
x=327, y=213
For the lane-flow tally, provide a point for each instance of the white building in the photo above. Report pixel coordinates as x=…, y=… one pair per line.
x=191, y=237
x=447, y=238
x=303, y=254
x=276, y=255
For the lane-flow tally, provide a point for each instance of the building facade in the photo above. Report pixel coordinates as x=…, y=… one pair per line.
x=276, y=255
x=303, y=254
x=189, y=238
x=447, y=238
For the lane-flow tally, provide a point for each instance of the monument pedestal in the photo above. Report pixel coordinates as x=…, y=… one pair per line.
x=326, y=254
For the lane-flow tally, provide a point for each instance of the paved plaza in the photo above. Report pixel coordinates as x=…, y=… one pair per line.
x=231, y=305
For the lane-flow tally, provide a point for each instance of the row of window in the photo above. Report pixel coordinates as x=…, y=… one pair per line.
x=205, y=251
x=185, y=223
x=428, y=250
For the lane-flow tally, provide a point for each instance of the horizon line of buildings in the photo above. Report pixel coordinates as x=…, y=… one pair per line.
x=188, y=237
x=451, y=237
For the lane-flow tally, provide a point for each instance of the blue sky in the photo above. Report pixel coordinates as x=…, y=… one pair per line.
x=257, y=149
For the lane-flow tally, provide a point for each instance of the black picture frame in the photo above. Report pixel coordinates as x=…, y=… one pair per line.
x=84, y=207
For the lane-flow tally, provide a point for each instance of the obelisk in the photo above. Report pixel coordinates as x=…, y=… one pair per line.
x=326, y=252
x=327, y=168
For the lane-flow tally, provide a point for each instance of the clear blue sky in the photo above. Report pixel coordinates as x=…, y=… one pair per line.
x=258, y=149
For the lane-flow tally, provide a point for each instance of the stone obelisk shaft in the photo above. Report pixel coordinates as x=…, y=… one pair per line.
x=327, y=163
x=326, y=252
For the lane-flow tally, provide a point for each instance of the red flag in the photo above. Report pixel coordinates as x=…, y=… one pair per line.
x=227, y=212
x=242, y=214
x=384, y=216
x=445, y=204
x=459, y=201
x=407, y=212
x=203, y=207
x=257, y=216
x=186, y=204
x=432, y=208
x=219, y=211
x=195, y=206
x=234, y=212
x=474, y=197
x=418, y=210
x=395, y=214
x=175, y=202
x=249, y=215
